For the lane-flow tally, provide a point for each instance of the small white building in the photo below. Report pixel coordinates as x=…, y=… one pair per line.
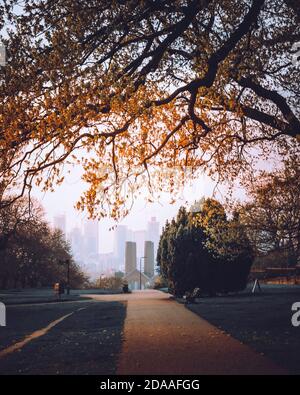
x=135, y=278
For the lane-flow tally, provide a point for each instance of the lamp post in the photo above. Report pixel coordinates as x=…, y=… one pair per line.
x=67, y=262
x=68, y=276
x=142, y=257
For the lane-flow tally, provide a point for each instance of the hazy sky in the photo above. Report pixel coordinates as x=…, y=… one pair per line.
x=65, y=196
x=63, y=200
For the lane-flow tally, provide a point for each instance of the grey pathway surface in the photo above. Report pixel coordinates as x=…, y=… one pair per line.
x=162, y=337
x=158, y=336
x=62, y=338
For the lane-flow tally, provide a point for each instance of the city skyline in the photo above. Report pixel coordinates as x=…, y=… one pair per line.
x=85, y=242
x=62, y=201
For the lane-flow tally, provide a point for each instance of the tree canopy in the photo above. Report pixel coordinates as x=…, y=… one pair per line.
x=204, y=249
x=272, y=216
x=31, y=253
x=132, y=89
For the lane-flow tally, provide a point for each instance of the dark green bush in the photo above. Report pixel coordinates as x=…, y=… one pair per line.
x=204, y=250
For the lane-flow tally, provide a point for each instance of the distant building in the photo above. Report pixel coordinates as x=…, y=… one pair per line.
x=137, y=280
x=91, y=266
x=129, y=235
x=120, y=238
x=153, y=233
x=91, y=237
x=139, y=236
x=107, y=263
x=76, y=240
x=130, y=256
x=149, y=259
x=59, y=222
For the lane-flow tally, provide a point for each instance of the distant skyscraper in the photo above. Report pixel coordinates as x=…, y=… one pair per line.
x=149, y=259
x=129, y=235
x=59, y=222
x=91, y=237
x=107, y=263
x=140, y=238
x=120, y=238
x=76, y=240
x=153, y=233
x=130, y=256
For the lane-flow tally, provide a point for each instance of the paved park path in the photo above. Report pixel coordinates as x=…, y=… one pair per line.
x=162, y=337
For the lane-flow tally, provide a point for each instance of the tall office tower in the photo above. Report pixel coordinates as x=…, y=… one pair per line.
x=91, y=237
x=130, y=235
x=130, y=256
x=153, y=233
x=76, y=241
x=139, y=236
x=149, y=258
x=120, y=238
x=59, y=222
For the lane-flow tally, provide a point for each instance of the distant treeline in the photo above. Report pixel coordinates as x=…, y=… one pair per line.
x=31, y=253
